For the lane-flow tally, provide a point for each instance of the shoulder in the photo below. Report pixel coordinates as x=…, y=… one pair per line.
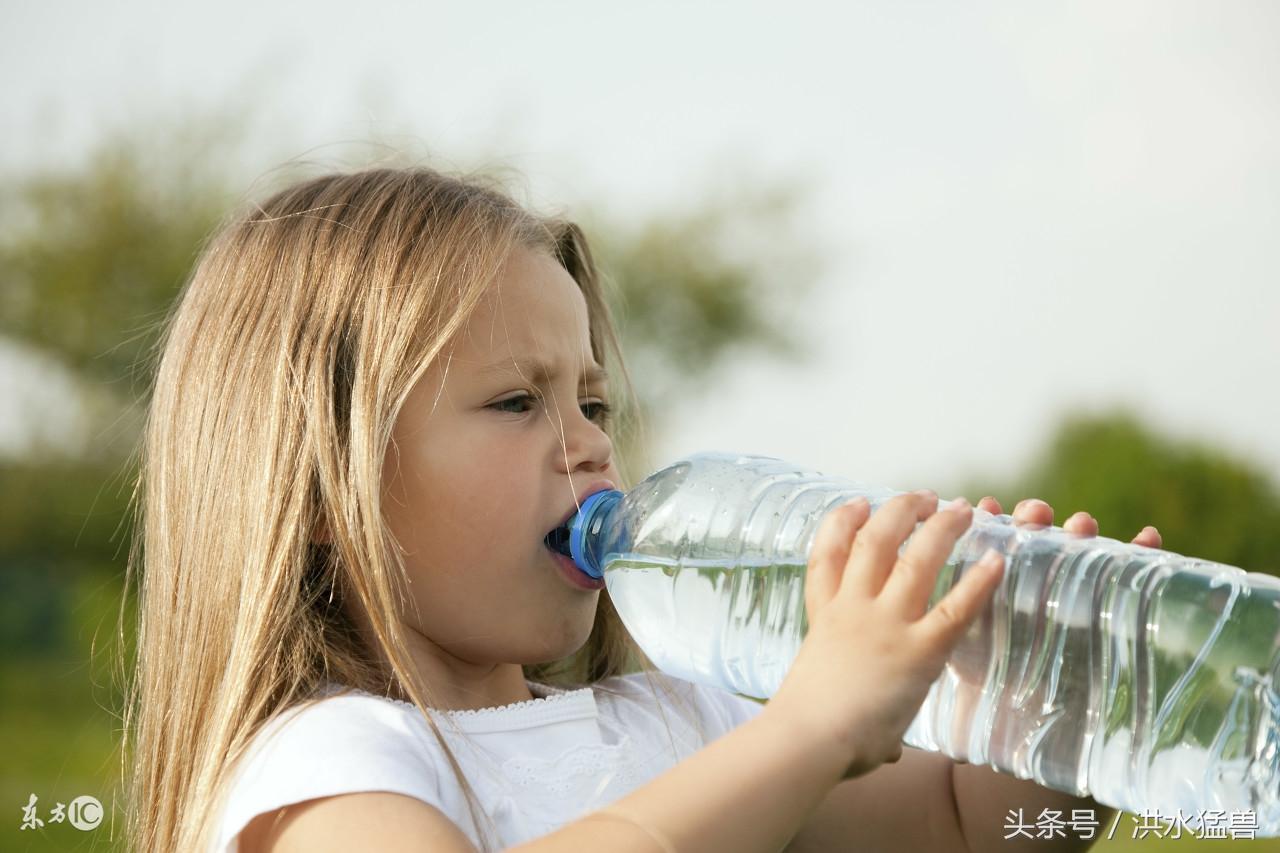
x=712, y=711
x=334, y=745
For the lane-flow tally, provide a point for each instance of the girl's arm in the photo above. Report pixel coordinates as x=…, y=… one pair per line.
x=748, y=790
x=859, y=678
x=926, y=801
x=837, y=720
x=754, y=788
x=985, y=798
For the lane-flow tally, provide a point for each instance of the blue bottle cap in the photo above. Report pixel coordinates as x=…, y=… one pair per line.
x=578, y=529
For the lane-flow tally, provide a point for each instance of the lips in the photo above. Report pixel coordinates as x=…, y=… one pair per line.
x=575, y=576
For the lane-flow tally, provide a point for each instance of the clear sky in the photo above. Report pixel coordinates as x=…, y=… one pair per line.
x=985, y=174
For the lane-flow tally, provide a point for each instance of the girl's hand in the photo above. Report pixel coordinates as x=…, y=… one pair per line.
x=1036, y=512
x=872, y=651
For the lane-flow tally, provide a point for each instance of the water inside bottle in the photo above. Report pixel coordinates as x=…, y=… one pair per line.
x=1138, y=675
x=1178, y=713
x=758, y=617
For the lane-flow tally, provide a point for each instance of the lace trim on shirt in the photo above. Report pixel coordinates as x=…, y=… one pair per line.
x=553, y=694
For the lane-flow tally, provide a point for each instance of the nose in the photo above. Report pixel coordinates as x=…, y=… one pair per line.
x=586, y=445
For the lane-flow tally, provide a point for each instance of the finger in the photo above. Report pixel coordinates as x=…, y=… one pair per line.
x=913, y=578
x=944, y=624
x=875, y=548
x=830, y=552
x=1149, y=537
x=1033, y=511
x=1082, y=524
x=991, y=505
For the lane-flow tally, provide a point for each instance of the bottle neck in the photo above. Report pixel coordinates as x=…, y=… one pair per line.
x=585, y=531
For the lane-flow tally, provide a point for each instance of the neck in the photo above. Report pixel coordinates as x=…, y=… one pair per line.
x=453, y=684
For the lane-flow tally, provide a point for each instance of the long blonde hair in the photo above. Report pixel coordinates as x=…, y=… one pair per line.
x=286, y=358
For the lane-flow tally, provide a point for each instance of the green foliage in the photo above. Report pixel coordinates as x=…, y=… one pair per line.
x=61, y=521
x=60, y=718
x=91, y=257
x=698, y=285
x=1205, y=503
x=692, y=290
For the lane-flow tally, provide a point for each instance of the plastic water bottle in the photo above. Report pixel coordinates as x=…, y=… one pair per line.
x=1140, y=677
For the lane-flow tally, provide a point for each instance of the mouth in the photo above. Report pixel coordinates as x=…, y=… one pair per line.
x=557, y=540
x=575, y=576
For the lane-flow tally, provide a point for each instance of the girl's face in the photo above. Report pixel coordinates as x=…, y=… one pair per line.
x=487, y=457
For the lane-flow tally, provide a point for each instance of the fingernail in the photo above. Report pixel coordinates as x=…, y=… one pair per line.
x=959, y=504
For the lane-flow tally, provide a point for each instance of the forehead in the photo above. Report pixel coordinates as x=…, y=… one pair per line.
x=535, y=311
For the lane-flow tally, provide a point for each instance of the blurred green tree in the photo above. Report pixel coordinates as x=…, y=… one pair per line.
x=1205, y=502
x=694, y=289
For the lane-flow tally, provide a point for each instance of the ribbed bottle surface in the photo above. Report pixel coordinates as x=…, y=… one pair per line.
x=1141, y=677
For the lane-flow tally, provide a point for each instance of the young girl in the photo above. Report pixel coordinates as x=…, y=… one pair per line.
x=376, y=396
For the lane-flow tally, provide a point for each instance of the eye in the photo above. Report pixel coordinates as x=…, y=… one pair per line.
x=598, y=411
x=520, y=401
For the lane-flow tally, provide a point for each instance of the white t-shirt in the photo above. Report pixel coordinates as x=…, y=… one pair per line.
x=535, y=765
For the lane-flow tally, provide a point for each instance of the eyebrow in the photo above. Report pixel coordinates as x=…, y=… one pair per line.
x=538, y=370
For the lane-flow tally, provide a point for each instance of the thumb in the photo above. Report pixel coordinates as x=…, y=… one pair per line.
x=830, y=553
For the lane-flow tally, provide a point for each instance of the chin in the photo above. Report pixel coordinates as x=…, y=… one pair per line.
x=562, y=641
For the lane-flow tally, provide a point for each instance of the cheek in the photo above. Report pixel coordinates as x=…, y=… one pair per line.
x=463, y=506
